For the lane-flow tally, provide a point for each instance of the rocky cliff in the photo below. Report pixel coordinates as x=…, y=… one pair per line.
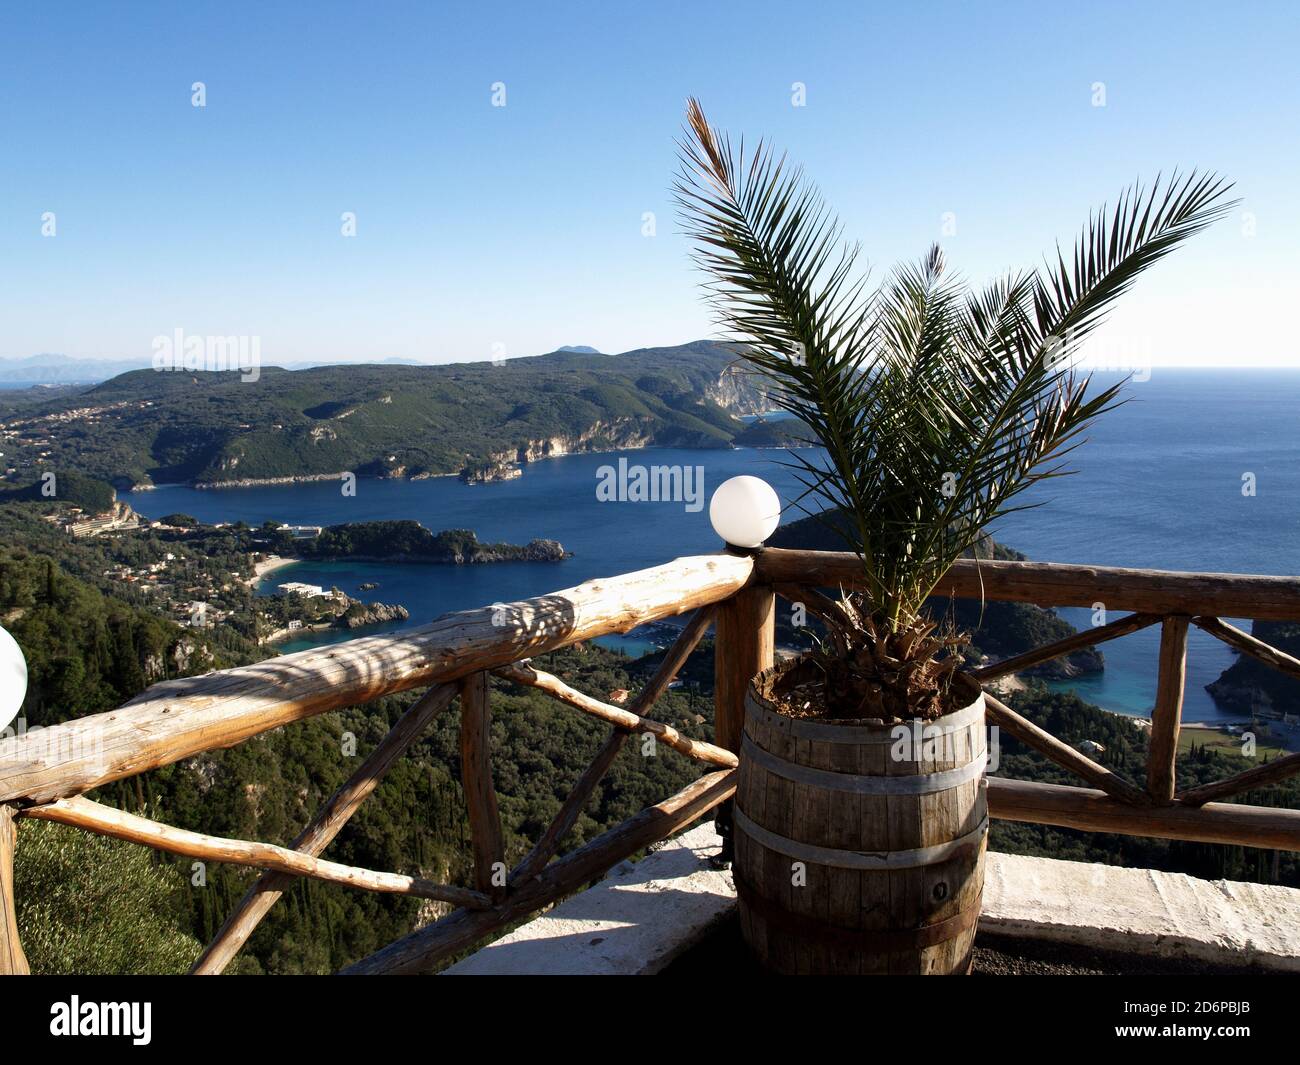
x=1249, y=686
x=358, y=614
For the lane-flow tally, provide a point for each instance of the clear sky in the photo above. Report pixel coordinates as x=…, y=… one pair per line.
x=485, y=230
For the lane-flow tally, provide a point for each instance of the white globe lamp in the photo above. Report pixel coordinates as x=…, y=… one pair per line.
x=13, y=678
x=745, y=511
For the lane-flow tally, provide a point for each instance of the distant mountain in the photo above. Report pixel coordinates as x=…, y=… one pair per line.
x=53, y=369
x=386, y=360
x=580, y=348
x=213, y=428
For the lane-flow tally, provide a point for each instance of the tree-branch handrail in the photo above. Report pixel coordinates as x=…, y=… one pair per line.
x=1148, y=591
x=80, y=812
x=181, y=718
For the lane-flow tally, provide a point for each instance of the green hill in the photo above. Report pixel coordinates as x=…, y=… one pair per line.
x=378, y=420
x=70, y=487
x=411, y=541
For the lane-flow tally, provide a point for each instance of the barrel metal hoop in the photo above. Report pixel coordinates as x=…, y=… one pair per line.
x=864, y=860
x=883, y=941
x=859, y=735
x=914, y=784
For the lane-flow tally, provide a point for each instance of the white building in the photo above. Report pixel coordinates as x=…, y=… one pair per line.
x=307, y=591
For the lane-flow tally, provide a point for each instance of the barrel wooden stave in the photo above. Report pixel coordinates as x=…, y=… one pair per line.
x=856, y=900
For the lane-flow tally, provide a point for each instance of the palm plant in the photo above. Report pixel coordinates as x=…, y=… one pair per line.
x=935, y=406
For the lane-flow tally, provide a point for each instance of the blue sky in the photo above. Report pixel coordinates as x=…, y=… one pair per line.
x=516, y=229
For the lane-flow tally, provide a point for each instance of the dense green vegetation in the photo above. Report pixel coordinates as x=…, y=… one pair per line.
x=62, y=599
x=204, y=551
x=69, y=487
x=398, y=540
x=86, y=651
x=774, y=432
x=379, y=420
x=89, y=905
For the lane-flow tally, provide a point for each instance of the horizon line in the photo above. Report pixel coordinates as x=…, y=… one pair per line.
x=381, y=360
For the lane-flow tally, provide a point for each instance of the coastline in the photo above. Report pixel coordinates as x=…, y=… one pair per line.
x=277, y=562
x=258, y=482
x=269, y=565
x=253, y=482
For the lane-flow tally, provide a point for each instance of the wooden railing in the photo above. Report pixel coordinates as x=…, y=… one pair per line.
x=44, y=774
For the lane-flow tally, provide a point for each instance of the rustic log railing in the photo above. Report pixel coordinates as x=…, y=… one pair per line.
x=45, y=773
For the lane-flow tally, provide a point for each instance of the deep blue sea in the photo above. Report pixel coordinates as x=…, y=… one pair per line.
x=1160, y=485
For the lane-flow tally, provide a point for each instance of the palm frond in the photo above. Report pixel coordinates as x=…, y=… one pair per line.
x=936, y=408
x=1071, y=298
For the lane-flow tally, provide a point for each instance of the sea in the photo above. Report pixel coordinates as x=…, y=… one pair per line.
x=1198, y=470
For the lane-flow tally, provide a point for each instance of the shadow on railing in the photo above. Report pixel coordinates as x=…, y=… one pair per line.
x=44, y=774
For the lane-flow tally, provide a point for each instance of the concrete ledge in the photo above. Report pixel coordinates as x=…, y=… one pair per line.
x=1143, y=911
x=643, y=915
x=633, y=923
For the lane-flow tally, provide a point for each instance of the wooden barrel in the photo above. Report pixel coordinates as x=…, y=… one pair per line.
x=859, y=848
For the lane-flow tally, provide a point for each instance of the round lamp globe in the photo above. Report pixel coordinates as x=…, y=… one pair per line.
x=745, y=511
x=13, y=678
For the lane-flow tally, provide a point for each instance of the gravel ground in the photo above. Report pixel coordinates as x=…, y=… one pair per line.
x=994, y=956
x=1005, y=956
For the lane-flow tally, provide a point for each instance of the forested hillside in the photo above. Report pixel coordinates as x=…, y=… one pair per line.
x=411, y=541
x=381, y=420
x=86, y=651
x=55, y=588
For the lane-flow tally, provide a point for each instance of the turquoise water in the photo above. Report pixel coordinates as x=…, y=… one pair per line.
x=1160, y=486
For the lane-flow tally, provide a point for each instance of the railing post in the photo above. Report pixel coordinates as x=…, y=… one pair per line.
x=1166, y=718
x=744, y=644
x=13, y=962
x=476, y=776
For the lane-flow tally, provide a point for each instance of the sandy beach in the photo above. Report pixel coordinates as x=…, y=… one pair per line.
x=268, y=565
x=1006, y=685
